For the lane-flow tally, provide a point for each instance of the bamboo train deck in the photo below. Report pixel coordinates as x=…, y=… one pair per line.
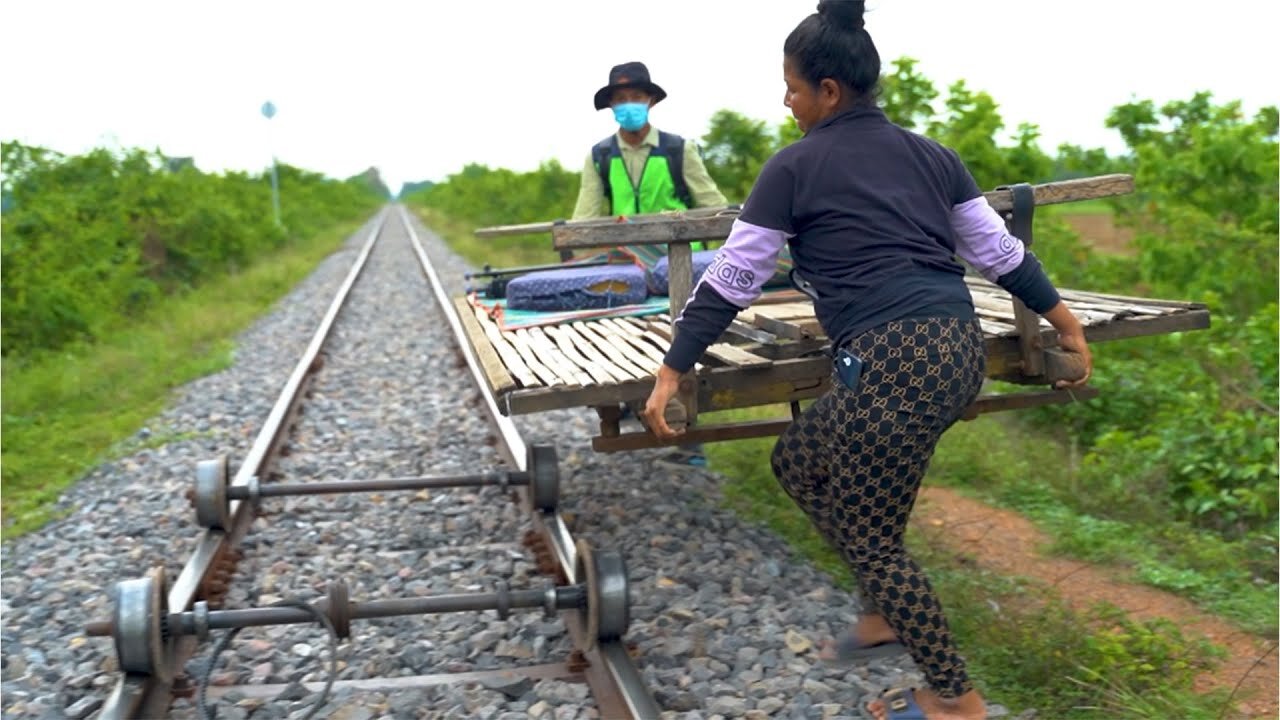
x=771, y=354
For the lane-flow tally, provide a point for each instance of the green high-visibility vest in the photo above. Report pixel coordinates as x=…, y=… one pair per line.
x=661, y=187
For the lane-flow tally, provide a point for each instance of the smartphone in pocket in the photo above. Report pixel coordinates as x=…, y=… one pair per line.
x=848, y=368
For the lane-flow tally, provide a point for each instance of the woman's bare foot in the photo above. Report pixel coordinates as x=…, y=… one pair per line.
x=968, y=706
x=868, y=631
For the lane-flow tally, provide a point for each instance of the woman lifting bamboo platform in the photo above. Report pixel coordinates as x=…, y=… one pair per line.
x=775, y=352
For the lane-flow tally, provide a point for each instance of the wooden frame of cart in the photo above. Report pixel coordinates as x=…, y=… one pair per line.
x=774, y=352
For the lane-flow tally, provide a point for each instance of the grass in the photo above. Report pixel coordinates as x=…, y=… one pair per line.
x=65, y=412
x=1026, y=648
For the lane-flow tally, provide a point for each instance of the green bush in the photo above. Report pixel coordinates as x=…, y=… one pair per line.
x=95, y=240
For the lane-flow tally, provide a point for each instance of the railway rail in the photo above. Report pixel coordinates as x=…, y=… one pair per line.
x=156, y=625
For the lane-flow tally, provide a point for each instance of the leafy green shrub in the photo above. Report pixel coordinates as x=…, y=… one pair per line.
x=93, y=240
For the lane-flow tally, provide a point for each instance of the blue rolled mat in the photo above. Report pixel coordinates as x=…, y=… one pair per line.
x=659, y=280
x=584, y=288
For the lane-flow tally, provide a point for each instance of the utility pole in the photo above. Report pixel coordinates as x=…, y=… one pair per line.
x=269, y=111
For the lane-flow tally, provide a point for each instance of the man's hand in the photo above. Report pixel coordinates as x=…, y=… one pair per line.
x=654, y=414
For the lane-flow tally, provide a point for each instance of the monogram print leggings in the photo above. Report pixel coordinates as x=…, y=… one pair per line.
x=854, y=460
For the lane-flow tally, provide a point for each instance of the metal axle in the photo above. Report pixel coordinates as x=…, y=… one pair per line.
x=213, y=492
x=144, y=629
x=503, y=478
x=198, y=622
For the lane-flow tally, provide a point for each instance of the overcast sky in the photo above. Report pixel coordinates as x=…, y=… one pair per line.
x=421, y=88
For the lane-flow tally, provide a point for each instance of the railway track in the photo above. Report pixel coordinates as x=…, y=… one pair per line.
x=159, y=624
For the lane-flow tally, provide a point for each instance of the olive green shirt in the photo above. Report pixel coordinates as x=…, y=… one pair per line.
x=591, y=199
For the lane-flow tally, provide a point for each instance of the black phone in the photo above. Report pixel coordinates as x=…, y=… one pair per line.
x=848, y=368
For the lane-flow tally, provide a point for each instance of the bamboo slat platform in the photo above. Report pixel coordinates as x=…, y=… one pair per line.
x=613, y=360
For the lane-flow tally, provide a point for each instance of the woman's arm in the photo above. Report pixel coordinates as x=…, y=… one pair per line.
x=983, y=241
x=732, y=282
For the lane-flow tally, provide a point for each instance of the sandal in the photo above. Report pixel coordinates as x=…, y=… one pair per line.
x=901, y=705
x=683, y=459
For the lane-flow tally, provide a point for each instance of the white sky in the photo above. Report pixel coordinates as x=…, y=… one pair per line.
x=421, y=88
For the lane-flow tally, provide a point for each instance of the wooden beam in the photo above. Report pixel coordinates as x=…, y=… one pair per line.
x=685, y=228
x=494, y=371
x=772, y=428
x=706, y=433
x=680, y=286
x=546, y=226
x=736, y=356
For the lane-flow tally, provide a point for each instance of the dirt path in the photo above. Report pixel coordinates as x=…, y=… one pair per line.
x=1005, y=542
x=1100, y=232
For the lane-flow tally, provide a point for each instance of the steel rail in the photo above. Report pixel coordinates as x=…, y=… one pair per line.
x=616, y=684
x=148, y=696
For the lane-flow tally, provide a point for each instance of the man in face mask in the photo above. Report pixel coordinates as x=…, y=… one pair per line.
x=641, y=169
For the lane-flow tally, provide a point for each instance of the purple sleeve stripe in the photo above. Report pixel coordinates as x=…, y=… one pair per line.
x=983, y=241
x=745, y=263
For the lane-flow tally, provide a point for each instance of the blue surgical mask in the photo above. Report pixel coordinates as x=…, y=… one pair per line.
x=631, y=116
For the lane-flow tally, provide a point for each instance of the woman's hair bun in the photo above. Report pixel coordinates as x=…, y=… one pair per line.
x=845, y=14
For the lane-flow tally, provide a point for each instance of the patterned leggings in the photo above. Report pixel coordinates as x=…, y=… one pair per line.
x=854, y=460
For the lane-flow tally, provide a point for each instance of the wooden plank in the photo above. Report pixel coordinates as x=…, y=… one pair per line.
x=1128, y=308
x=991, y=327
x=622, y=342
x=661, y=341
x=622, y=326
x=1001, y=307
x=636, y=338
x=683, y=229
x=1108, y=297
x=1002, y=310
x=660, y=329
x=718, y=388
x=510, y=357
x=565, y=343
x=1102, y=301
x=617, y=356
x=724, y=352
x=1030, y=344
x=587, y=349
x=795, y=330
x=679, y=287
x=546, y=226
x=490, y=362
x=1114, y=310
x=531, y=359
x=706, y=433
x=1064, y=191
x=735, y=356
x=556, y=360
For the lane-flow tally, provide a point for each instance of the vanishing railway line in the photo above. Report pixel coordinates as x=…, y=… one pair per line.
x=158, y=625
